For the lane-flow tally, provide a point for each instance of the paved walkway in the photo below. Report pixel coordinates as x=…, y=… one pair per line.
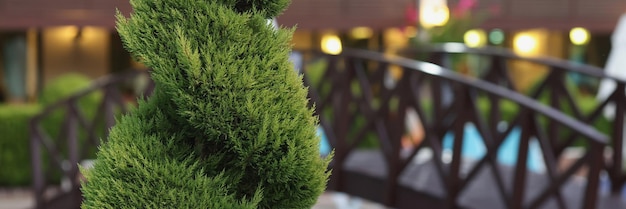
x=16, y=199
x=331, y=200
x=22, y=199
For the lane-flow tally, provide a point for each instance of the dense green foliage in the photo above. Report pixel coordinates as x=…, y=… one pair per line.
x=14, y=144
x=228, y=125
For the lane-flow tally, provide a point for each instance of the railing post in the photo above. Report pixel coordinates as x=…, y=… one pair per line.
x=618, y=139
x=340, y=91
x=519, y=180
x=72, y=142
x=593, y=178
x=393, y=163
x=35, y=159
x=396, y=130
x=553, y=82
x=107, y=102
x=454, y=180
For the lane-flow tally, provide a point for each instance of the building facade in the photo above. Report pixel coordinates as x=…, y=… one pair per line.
x=41, y=39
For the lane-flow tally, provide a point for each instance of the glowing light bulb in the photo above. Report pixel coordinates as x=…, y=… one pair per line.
x=496, y=36
x=433, y=13
x=579, y=36
x=361, y=33
x=331, y=44
x=475, y=38
x=525, y=43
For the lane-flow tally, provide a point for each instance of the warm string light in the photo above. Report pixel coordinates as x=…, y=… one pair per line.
x=525, y=43
x=579, y=36
x=475, y=38
x=433, y=13
x=331, y=44
x=361, y=33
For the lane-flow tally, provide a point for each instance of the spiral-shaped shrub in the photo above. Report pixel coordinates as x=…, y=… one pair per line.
x=228, y=125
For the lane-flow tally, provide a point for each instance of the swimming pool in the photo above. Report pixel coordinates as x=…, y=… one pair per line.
x=474, y=148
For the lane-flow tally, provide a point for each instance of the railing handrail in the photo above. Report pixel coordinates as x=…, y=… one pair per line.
x=98, y=83
x=561, y=95
x=444, y=73
x=459, y=48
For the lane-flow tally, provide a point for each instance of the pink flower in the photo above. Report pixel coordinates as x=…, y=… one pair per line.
x=463, y=7
x=466, y=4
x=411, y=14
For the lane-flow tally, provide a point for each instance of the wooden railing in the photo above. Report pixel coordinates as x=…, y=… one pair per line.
x=358, y=100
x=79, y=134
x=356, y=96
x=557, y=88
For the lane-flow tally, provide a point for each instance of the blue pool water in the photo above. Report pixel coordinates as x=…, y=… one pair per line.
x=474, y=148
x=324, y=145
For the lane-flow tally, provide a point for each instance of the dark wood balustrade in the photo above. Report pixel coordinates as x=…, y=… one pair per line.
x=357, y=100
x=52, y=155
x=561, y=96
x=356, y=97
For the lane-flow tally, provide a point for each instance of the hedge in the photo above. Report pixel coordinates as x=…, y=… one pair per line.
x=14, y=144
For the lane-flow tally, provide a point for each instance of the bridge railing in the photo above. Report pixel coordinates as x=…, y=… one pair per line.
x=79, y=134
x=558, y=88
x=361, y=96
x=359, y=100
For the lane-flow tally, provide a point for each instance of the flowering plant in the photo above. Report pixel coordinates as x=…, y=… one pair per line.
x=463, y=17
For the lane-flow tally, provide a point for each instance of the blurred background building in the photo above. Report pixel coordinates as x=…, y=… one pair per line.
x=41, y=39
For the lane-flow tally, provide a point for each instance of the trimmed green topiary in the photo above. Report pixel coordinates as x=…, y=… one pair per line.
x=228, y=125
x=14, y=144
